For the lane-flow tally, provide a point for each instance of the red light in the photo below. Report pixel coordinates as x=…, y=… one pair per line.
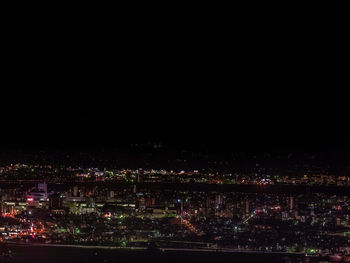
x=30, y=199
x=107, y=215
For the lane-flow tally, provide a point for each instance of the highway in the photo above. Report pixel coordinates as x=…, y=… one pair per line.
x=160, y=249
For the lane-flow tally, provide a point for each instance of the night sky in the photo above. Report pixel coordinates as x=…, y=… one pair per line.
x=268, y=92
x=178, y=117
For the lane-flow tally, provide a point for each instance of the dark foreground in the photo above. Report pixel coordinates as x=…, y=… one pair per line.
x=29, y=254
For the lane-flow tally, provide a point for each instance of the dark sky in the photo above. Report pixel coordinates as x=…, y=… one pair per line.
x=259, y=88
x=209, y=105
x=175, y=116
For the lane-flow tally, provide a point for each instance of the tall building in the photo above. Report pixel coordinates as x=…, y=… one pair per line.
x=219, y=199
x=247, y=207
x=207, y=203
x=75, y=191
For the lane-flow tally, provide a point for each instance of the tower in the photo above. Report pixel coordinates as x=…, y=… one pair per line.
x=247, y=207
x=291, y=203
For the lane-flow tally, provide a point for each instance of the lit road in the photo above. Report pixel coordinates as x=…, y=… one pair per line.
x=222, y=250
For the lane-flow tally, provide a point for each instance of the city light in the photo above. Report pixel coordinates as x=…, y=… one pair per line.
x=194, y=211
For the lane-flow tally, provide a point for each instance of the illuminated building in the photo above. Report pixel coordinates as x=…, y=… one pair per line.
x=247, y=207
x=37, y=195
